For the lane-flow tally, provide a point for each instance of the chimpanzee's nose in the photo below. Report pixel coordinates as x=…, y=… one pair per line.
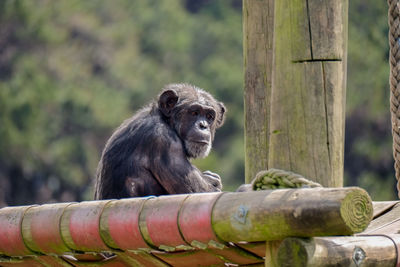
x=202, y=125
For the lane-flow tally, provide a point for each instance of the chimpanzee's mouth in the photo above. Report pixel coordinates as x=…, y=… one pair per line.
x=197, y=148
x=201, y=142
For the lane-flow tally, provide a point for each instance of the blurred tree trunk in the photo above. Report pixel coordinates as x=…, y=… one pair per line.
x=295, y=55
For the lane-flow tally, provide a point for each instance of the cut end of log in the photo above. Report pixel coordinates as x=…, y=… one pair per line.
x=356, y=210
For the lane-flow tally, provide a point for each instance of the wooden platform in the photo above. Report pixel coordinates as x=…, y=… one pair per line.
x=182, y=230
x=378, y=245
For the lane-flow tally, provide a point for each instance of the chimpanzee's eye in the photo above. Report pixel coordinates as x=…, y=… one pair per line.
x=210, y=116
x=171, y=103
x=194, y=113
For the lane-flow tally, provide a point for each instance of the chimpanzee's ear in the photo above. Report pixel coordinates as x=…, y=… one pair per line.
x=167, y=101
x=221, y=114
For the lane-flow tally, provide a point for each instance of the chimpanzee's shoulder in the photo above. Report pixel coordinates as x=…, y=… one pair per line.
x=163, y=130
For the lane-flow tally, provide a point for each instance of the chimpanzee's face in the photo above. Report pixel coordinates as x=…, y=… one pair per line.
x=196, y=128
x=194, y=114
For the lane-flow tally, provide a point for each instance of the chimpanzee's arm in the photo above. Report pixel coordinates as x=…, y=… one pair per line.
x=177, y=175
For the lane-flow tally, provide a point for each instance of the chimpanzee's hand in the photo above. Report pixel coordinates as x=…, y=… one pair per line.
x=245, y=188
x=213, y=179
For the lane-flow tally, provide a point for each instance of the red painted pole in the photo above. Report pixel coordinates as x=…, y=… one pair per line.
x=11, y=241
x=41, y=228
x=195, y=219
x=80, y=226
x=119, y=224
x=159, y=222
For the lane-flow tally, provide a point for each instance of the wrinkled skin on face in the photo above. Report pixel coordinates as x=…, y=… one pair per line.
x=195, y=123
x=149, y=153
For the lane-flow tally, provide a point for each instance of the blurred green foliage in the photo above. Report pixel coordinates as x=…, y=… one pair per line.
x=368, y=144
x=71, y=71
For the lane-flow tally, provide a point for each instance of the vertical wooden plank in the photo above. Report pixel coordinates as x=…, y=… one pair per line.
x=308, y=133
x=335, y=94
x=279, y=152
x=327, y=22
x=295, y=120
x=314, y=132
x=271, y=251
x=258, y=23
x=294, y=99
x=313, y=99
x=300, y=39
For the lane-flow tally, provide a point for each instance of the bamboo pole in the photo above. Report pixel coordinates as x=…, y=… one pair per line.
x=339, y=251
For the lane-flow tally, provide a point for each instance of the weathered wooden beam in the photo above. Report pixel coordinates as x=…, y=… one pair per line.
x=385, y=223
x=258, y=30
x=381, y=207
x=295, y=79
x=271, y=252
x=328, y=29
x=276, y=214
x=208, y=221
x=339, y=251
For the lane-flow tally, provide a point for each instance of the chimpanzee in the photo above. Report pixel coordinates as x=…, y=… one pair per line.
x=149, y=154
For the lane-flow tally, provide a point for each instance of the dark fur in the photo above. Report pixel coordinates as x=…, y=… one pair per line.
x=149, y=153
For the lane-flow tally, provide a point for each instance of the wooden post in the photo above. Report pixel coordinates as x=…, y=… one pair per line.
x=372, y=250
x=276, y=214
x=258, y=23
x=295, y=77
